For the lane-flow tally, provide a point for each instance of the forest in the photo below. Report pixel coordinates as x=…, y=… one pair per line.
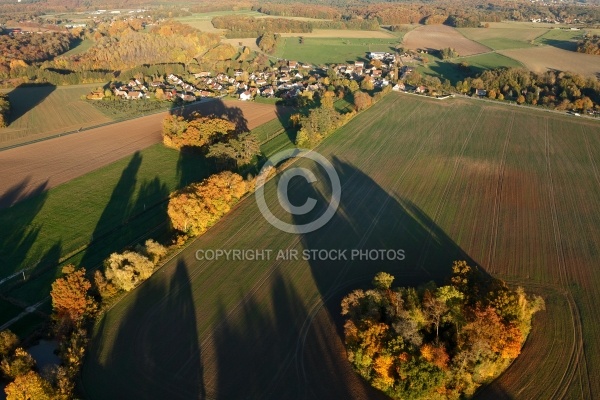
x=468, y=13
x=18, y=50
x=436, y=341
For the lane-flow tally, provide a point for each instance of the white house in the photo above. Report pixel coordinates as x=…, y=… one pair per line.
x=246, y=96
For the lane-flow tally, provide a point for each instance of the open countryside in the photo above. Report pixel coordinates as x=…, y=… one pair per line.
x=411, y=174
x=275, y=200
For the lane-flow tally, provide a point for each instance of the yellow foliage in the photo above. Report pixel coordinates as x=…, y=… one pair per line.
x=197, y=207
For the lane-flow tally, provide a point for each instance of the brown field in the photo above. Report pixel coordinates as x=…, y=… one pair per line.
x=340, y=33
x=545, y=58
x=248, y=42
x=437, y=37
x=505, y=30
x=51, y=162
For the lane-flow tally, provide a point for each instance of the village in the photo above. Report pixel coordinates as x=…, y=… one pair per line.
x=286, y=80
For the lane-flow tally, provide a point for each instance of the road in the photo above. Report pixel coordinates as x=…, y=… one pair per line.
x=36, y=167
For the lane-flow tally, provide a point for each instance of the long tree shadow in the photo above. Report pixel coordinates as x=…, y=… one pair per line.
x=18, y=263
x=127, y=217
x=19, y=231
x=368, y=219
x=255, y=346
x=26, y=97
x=164, y=336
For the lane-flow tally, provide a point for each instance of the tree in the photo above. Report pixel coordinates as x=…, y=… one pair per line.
x=327, y=99
x=367, y=83
x=71, y=301
x=8, y=342
x=30, y=386
x=197, y=207
x=198, y=131
x=521, y=99
x=240, y=151
x=128, y=269
x=434, y=309
x=383, y=280
x=19, y=363
x=361, y=100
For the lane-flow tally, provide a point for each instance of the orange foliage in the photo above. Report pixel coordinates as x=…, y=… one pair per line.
x=70, y=298
x=197, y=207
x=436, y=355
x=199, y=131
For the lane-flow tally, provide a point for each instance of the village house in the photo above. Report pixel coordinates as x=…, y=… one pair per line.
x=245, y=96
x=121, y=92
x=268, y=92
x=96, y=95
x=293, y=64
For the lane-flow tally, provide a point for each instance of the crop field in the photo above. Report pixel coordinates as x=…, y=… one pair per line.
x=541, y=59
x=491, y=61
x=504, y=35
x=511, y=190
x=81, y=47
x=560, y=38
x=85, y=219
x=449, y=69
x=436, y=37
x=38, y=112
x=342, y=33
x=332, y=50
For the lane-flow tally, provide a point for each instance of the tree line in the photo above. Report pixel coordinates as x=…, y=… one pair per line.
x=4, y=110
x=560, y=91
x=436, y=341
x=590, y=44
x=469, y=13
x=241, y=26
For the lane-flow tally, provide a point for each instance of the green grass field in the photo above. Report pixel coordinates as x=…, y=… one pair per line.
x=560, y=38
x=331, y=50
x=449, y=69
x=115, y=206
x=81, y=47
x=491, y=61
x=503, y=36
x=42, y=111
x=510, y=189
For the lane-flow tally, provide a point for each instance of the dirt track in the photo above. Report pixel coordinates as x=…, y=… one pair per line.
x=36, y=167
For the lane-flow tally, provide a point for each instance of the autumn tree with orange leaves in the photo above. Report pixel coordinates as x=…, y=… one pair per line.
x=197, y=207
x=71, y=298
x=197, y=131
x=436, y=342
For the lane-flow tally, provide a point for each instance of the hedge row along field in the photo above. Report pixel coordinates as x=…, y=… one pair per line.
x=513, y=190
